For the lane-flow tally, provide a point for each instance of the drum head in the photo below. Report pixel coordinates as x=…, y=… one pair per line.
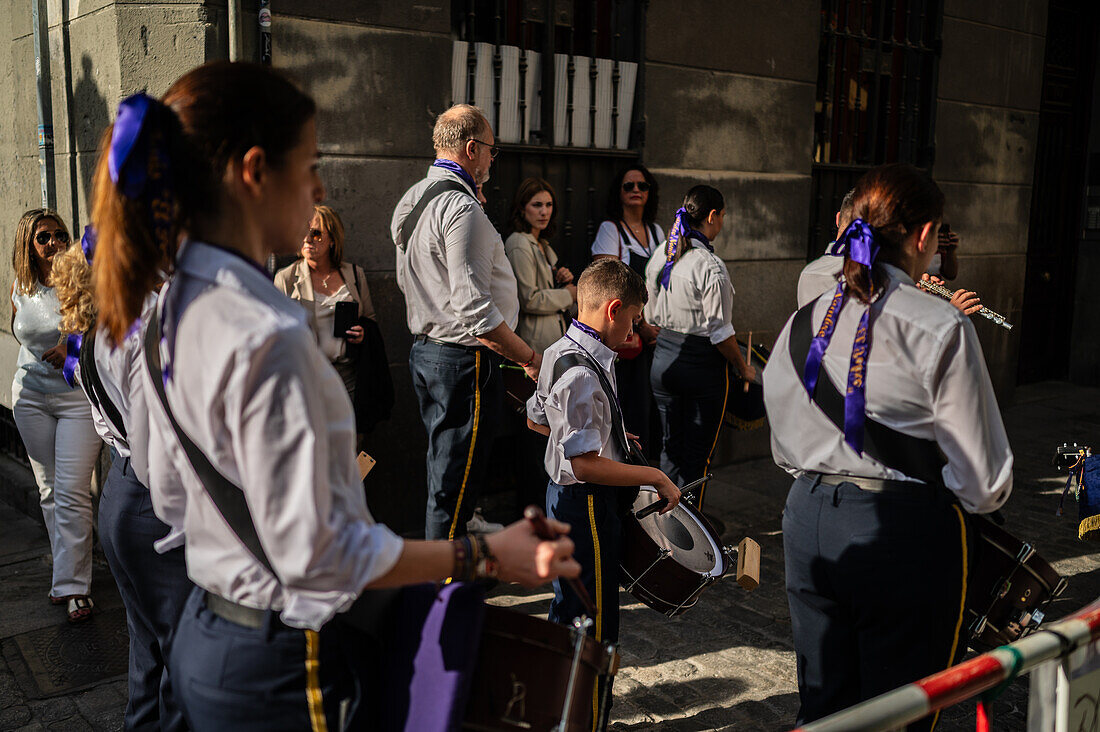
x=683, y=532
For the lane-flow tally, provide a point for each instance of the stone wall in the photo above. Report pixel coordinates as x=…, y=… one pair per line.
x=381, y=73
x=734, y=109
x=990, y=80
x=100, y=52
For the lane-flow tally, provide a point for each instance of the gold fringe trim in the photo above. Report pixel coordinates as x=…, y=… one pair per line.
x=1086, y=530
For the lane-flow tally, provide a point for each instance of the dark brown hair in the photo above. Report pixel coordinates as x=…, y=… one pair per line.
x=896, y=200
x=210, y=116
x=608, y=279
x=526, y=191
x=615, y=201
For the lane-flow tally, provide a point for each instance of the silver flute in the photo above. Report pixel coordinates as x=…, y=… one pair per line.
x=947, y=294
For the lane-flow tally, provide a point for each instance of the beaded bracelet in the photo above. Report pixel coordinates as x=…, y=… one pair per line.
x=487, y=565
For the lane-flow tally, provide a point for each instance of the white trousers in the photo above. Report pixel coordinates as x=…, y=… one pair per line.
x=62, y=445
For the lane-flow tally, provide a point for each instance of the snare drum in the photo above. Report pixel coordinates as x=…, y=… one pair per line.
x=1010, y=587
x=525, y=669
x=668, y=560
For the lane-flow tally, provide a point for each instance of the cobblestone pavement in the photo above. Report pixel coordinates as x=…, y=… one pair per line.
x=726, y=664
x=729, y=662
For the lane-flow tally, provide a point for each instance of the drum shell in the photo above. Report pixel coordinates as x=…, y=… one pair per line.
x=523, y=671
x=1001, y=588
x=666, y=586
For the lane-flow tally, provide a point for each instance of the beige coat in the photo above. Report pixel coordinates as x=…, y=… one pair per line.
x=294, y=281
x=542, y=305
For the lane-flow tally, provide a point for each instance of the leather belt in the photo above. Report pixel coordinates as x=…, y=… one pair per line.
x=876, y=485
x=249, y=617
x=421, y=338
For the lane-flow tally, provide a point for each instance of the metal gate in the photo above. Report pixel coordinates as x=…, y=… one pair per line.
x=575, y=121
x=878, y=70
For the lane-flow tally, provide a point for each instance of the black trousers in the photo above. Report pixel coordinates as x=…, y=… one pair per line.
x=690, y=383
x=876, y=585
x=461, y=399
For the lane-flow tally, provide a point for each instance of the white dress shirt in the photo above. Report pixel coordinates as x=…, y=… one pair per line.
x=249, y=386
x=699, y=299
x=610, y=241
x=457, y=282
x=576, y=408
x=819, y=276
x=926, y=377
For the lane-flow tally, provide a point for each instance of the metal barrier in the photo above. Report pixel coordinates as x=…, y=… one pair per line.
x=909, y=703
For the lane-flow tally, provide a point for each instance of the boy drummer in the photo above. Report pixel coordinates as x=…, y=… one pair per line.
x=577, y=406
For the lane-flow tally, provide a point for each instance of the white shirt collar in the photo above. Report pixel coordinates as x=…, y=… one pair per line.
x=604, y=356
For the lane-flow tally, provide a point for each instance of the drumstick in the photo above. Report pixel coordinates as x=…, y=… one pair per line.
x=543, y=531
x=685, y=495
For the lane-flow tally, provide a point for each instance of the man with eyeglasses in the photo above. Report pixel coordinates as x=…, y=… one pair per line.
x=462, y=308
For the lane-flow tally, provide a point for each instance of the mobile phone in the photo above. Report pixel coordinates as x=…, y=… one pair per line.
x=346, y=317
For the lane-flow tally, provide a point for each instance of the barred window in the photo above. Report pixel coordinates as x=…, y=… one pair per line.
x=584, y=98
x=878, y=69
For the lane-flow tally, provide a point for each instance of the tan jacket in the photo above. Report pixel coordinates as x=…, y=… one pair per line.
x=294, y=281
x=541, y=304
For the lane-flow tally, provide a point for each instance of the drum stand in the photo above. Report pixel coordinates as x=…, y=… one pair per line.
x=580, y=632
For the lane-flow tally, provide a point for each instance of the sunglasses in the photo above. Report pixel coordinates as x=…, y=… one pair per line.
x=493, y=149
x=43, y=237
x=316, y=236
x=629, y=186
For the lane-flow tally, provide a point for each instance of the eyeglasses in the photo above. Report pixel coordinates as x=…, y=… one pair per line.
x=493, y=149
x=316, y=236
x=629, y=186
x=43, y=237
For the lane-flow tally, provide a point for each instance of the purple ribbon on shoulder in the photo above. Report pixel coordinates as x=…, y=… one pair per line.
x=457, y=170
x=859, y=243
x=679, y=237
x=72, y=357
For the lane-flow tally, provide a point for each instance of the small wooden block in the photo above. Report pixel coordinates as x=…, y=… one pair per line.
x=366, y=462
x=748, y=564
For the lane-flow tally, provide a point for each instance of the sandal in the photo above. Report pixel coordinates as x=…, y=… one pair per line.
x=58, y=600
x=80, y=608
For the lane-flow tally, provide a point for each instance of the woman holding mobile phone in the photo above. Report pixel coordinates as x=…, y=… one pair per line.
x=332, y=291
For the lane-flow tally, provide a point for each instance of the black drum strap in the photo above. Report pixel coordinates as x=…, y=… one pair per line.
x=916, y=457
x=93, y=385
x=568, y=361
x=228, y=498
x=439, y=187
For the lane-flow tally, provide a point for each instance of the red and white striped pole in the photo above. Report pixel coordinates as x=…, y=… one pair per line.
x=909, y=703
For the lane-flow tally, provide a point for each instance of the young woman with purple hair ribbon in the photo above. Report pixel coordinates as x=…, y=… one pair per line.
x=691, y=301
x=881, y=406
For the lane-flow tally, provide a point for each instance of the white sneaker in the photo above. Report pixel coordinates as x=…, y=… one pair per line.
x=478, y=525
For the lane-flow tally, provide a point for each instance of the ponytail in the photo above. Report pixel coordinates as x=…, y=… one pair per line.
x=135, y=210
x=698, y=203
x=895, y=200
x=162, y=163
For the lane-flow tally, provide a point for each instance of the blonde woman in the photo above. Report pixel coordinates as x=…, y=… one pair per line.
x=319, y=280
x=153, y=585
x=54, y=420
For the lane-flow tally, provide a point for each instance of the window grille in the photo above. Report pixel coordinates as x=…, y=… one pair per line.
x=584, y=98
x=878, y=72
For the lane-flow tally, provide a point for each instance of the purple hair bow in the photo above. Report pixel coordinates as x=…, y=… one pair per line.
x=680, y=234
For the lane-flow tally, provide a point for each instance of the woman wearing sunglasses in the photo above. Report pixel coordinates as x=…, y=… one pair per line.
x=54, y=420
x=631, y=234
x=320, y=280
